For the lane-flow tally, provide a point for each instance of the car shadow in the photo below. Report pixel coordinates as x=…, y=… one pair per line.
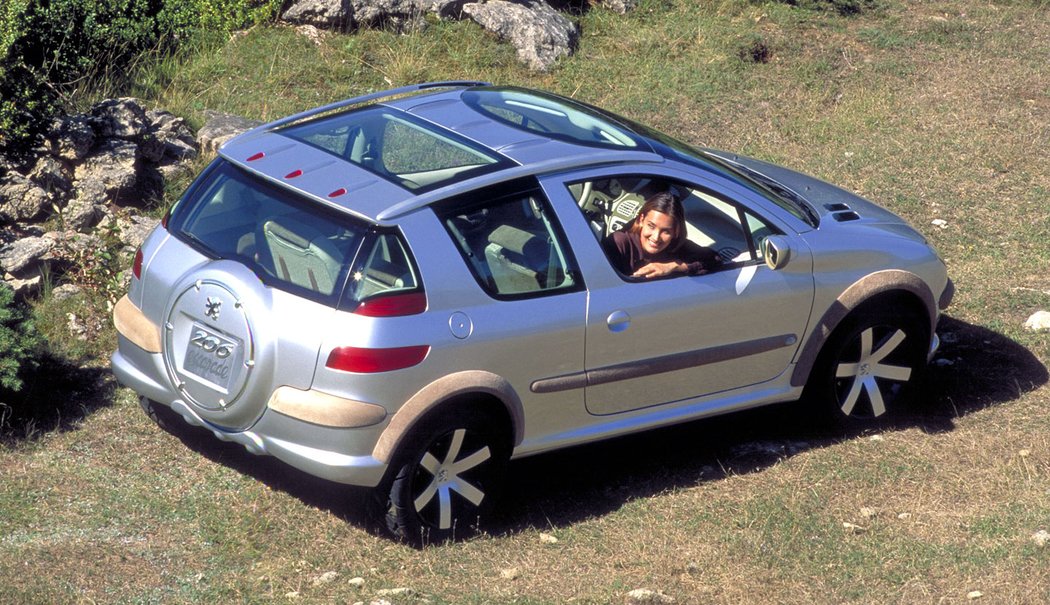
x=975, y=368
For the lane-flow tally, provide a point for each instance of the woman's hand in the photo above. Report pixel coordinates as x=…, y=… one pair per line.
x=660, y=269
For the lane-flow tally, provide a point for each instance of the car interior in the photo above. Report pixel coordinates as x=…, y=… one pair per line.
x=611, y=204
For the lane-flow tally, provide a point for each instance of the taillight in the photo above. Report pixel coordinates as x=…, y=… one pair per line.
x=167, y=217
x=361, y=360
x=136, y=267
x=394, y=305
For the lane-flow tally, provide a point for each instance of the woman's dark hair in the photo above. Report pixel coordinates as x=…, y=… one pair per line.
x=664, y=202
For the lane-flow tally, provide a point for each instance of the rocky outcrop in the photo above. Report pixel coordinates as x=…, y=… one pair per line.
x=91, y=168
x=347, y=15
x=540, y=34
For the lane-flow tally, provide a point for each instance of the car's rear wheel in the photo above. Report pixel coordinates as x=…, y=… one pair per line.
x=448, y=475
x=870, y=365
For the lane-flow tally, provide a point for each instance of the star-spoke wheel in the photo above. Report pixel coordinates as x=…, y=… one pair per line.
x=869, y=364
x=447, y=480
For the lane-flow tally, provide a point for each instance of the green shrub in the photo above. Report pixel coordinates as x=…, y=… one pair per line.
x=56, y=47
x=19, y=342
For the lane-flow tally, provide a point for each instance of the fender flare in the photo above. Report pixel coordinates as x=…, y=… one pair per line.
x=863, y=290
x=440, y=391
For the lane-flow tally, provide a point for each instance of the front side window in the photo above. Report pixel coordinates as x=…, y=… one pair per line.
x=289, y=243
x=511, y=243
x=720, y=227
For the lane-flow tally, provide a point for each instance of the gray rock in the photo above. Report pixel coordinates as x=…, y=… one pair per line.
x=449, y=9
x=1038, y=322
x=26, y=252
x=399, y=15
x=111, y=171
x=221, y=127
x=86, y=210
x=619, y=6
x=21, y=199
x=24, y=286
x=540, y=34
x=134, y=229
x=65, y=291
x=71, y=138
x=53, y=175
x=121, y=118
x=325, y=14
x=177, y=138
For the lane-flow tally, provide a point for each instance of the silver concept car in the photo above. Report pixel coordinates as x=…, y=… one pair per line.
x=407, y=289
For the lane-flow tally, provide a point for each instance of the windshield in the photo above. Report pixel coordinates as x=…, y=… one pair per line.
x=289, y=243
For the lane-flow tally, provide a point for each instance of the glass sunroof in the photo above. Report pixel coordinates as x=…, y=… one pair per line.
x=551, y=116
x=398, y=147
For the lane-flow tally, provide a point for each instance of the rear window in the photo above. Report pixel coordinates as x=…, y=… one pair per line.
x=289, y=243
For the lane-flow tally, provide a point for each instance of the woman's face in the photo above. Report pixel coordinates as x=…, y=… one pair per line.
x=657, y=232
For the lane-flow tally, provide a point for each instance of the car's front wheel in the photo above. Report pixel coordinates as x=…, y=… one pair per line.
x=870, y=364
x=449, y=473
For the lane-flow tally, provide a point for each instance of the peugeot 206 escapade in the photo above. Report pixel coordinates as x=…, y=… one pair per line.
x=407, y=289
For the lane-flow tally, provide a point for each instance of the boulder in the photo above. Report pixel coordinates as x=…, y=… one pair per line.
x=177, y=138
x=1038, y=322
x=540, y=34
x=71, y=138
x=21, y=199
x=110, y=172
x=134, y=229
x=86, y=209
x=53, y=175
x=119, y=118
x=399, y=15
x=221, y=127
x=325, y=14
x=24, y=253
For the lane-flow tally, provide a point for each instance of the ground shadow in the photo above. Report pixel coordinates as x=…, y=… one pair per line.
x=976, y=368
x=56, y=395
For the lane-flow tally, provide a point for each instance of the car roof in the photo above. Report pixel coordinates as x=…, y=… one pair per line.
x=471, y=118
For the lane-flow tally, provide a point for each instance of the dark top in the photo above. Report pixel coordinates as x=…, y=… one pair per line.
x=624, y=250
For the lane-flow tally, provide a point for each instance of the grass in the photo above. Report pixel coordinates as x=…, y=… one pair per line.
x=936, y=109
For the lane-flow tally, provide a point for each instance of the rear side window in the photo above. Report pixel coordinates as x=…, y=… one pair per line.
x=512, y=244
x=289, y=243
x=386, y=269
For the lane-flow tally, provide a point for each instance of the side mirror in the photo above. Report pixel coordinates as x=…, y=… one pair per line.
x=776, y=250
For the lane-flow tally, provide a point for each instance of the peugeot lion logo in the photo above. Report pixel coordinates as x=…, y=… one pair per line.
x=212, y=308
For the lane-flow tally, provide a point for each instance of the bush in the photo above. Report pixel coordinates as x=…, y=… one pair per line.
x=19, y=342
x=46, y=58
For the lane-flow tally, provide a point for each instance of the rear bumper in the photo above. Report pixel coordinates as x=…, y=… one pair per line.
x=322, y=451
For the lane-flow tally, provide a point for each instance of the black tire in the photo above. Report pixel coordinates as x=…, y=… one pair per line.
x=870, y=365
x=448, y=474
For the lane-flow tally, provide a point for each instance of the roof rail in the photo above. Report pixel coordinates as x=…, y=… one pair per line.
x=365, y=99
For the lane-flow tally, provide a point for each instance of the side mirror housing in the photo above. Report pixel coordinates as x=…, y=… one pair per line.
x=776, y=250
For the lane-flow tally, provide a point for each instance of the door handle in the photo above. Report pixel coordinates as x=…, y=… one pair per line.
x=618, y=321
